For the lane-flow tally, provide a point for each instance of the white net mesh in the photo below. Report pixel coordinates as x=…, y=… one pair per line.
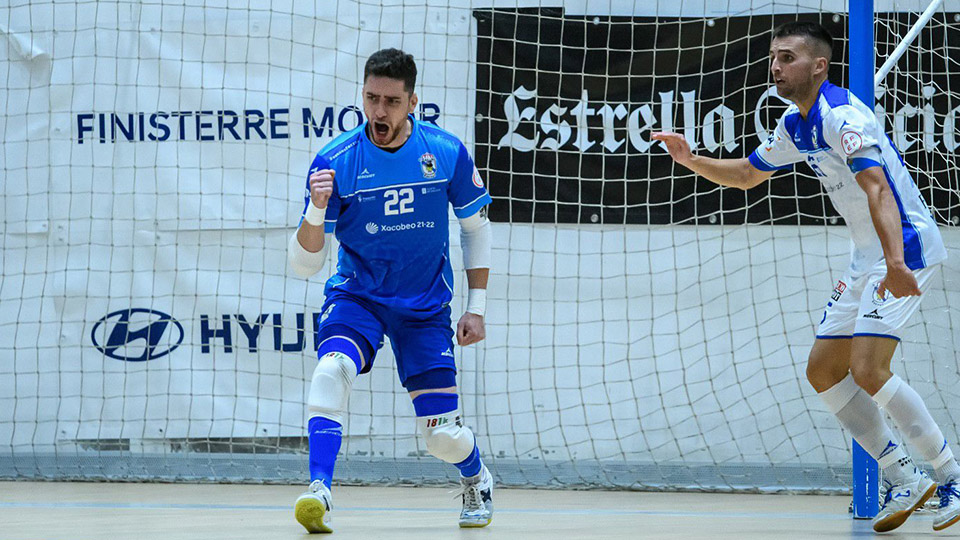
x=646, y=329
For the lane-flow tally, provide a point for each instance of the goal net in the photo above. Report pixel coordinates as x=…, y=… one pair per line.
x=645, y=328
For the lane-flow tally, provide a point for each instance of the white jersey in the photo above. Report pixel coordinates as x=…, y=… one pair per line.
x=839, y=138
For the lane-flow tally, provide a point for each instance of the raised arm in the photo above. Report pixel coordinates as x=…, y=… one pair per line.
x=738, y=173
x=307, y=249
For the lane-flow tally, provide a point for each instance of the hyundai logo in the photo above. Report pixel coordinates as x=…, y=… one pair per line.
x=133, y=335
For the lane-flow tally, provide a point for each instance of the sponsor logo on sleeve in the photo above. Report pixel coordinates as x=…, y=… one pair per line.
x=838, y=291
x=851, y=142
x=477, y=180
x=768, y=145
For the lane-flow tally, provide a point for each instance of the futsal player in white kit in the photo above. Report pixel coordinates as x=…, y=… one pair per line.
x=895, y=254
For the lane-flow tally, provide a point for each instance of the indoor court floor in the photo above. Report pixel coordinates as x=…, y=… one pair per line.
x=113, y=511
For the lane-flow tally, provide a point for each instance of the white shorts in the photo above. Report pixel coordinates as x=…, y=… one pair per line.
x=855, y=308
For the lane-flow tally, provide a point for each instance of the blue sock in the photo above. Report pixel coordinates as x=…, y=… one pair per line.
x=325, y=436
x=472, y=465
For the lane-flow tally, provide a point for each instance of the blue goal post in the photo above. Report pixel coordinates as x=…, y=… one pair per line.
x=864, y=79
x=866, y=483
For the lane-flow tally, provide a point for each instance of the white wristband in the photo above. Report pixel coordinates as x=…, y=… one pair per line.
x=477, y=301
x=314, y=215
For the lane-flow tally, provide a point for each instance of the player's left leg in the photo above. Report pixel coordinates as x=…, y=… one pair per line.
x=875, y=340
x=441, y=425
x=425, y=363
x=870, y=366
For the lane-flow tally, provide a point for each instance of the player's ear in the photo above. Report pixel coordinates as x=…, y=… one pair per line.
x=823, y=65
x=413, y=102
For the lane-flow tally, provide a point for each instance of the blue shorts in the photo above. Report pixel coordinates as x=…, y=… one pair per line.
x=420, y=343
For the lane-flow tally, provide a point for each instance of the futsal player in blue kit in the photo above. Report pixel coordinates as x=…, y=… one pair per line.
x=384, y=189
x=896, y=249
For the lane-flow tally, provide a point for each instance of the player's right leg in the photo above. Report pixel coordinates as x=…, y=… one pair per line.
x=343, y=353
x=427, y=369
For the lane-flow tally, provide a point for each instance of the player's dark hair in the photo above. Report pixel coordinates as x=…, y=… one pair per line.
x=392, y=63
x=819, y=37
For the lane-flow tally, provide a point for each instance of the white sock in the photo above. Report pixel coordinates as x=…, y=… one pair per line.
x=861, y=417
x=904, y=405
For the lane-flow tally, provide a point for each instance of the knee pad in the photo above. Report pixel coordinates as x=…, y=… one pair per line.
x=330, y=388
x=445, y=434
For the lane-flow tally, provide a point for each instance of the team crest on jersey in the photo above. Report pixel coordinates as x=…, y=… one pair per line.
x=877, y=299
x=428, y=164
x=851, y=142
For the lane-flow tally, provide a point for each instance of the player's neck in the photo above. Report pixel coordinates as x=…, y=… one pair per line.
x=806, y=103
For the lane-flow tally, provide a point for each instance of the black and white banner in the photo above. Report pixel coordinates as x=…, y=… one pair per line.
x=566, y=106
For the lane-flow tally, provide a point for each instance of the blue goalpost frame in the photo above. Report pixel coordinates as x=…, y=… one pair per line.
x=866, y=473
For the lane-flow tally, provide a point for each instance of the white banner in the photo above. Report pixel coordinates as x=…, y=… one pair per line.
x=155, y=159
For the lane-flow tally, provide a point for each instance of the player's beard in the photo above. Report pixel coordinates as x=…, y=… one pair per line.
x=386, y=137
x=793, y=91
x=784, y=90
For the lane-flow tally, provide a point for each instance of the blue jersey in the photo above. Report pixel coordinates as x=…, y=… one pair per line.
x=389, y=210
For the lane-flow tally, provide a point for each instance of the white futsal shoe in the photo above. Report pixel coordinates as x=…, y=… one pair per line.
x=902, y=499
x=313, y=508
x=948, y=512
x=477, y=493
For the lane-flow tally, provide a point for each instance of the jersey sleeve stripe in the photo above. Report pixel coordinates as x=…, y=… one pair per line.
x=762, y=164
x=912, y=243
x=472, y=207
x=858, y=164
x=471, y=202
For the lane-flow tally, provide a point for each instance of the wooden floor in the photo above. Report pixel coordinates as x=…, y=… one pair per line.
x=82, y=511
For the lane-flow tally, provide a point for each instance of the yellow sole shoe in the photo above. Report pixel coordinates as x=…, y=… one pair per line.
x=312, y=514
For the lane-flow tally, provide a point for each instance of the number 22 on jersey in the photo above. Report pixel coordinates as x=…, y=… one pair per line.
x=399, y=201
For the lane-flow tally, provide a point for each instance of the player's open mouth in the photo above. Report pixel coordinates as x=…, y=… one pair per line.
x=381, y=129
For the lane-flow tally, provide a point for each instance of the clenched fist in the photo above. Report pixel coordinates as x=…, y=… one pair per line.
x=321, y=187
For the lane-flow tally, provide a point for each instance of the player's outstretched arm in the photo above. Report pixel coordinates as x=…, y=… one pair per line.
x=899, y=280
x=307, y=250
x=475, y=240
x=738, y=173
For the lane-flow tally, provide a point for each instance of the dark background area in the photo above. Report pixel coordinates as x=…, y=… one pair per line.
x=631, y=61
